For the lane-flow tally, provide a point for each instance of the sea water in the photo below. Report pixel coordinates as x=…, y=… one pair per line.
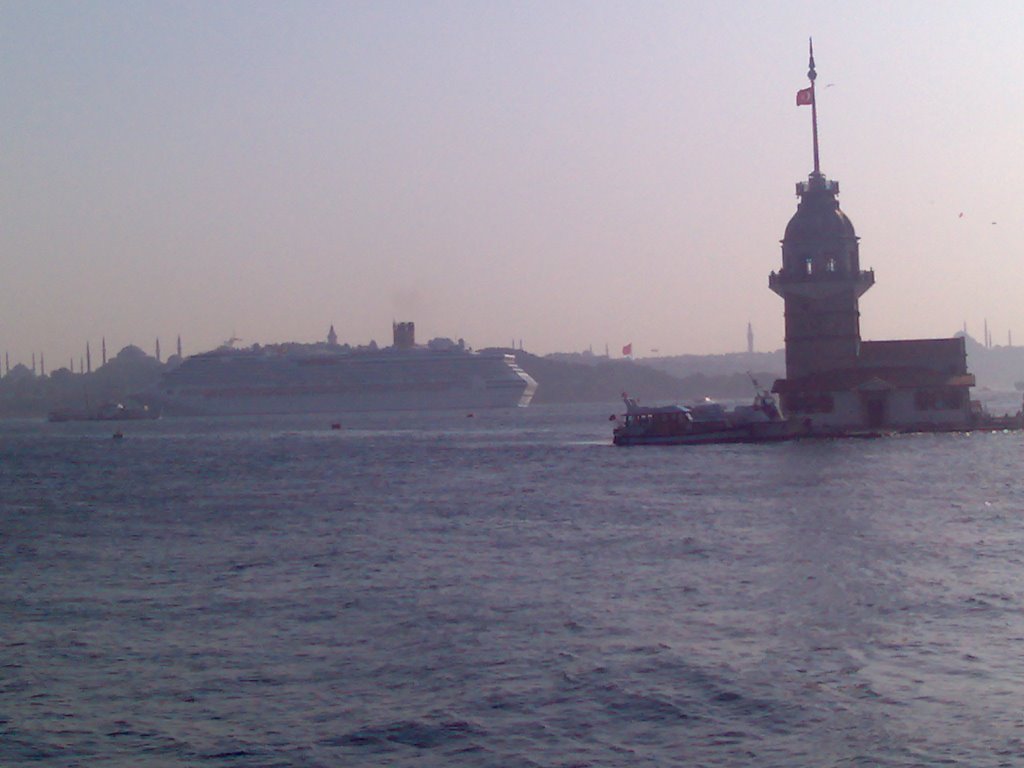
x=505, y=589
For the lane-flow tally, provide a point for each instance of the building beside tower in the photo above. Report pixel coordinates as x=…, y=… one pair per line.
x=836, y=382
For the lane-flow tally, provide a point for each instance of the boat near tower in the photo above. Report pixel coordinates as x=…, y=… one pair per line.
x=326, y=377
x=705, y=423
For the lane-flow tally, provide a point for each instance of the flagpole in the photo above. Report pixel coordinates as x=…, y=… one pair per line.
x=812, y=76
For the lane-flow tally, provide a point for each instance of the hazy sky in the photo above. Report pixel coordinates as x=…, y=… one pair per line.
x=565, y=173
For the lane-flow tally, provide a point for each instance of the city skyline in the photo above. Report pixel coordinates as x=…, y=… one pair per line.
x=575, y=176
x=85, y=364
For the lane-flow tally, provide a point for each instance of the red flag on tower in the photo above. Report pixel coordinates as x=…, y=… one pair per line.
x=627, y=350
x=804, y=96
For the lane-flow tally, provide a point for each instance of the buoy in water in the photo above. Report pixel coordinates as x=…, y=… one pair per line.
x=335, y=425
x=118, y=435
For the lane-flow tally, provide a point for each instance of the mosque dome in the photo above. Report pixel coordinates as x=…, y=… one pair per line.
x=131, y=353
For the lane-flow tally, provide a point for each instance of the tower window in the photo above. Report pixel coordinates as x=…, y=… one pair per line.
x=831, y=265
x=809, y=265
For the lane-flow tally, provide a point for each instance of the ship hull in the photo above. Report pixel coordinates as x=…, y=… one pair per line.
x=766, y=432
x=213, y=404
x=245, y=383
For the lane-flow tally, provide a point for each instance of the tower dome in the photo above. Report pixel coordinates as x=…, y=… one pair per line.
x=819, y=237
x=818, y=214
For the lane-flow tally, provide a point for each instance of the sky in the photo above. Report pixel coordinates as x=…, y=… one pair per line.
x=566, y=174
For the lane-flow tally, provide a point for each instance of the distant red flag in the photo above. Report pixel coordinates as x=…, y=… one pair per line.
x=804, y=96
x=628, y=349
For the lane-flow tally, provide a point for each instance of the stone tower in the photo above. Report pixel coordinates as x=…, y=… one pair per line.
x=821, y=280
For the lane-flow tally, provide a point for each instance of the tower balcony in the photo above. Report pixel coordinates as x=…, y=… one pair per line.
x=818, y=285
x=816, y=183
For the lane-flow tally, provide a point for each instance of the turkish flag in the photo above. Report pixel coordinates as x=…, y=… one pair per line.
x=805, y=96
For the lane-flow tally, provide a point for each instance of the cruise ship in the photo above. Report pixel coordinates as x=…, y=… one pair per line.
x=325, y=378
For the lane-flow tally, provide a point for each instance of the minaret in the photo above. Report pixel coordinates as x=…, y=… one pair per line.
x=158, y=349
x=104, y=349
x=750, y=338
x=179, y=346
x=821, y=279
x=33, y=363
x=42, y=365
x=88, y=359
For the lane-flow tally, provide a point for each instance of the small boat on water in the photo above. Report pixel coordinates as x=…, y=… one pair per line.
x=705, y=423
x=106, y=412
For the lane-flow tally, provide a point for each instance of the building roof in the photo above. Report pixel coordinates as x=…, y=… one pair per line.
x=947, y=356
x=873, y=378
